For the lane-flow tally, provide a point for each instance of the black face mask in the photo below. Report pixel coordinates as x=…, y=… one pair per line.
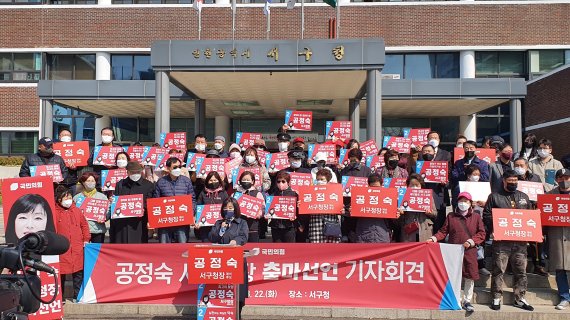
x=469, y=154
x=46, y=152
x=428, y=157
x=246, y=185
x=392, y=164
x=213, y=185
x=564, y=185
x=529, y=145
x=512, y=187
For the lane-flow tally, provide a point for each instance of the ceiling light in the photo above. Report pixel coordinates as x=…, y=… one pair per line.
x=314, y=102
x=251, y=103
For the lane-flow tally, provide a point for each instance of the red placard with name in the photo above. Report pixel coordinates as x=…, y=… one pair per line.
x=232, y=165
x=170, y=211
x=531, y=189
x=394, y=183
x=236, y=174
x=93, y=209
x=109, y=178
x=300, y=179
x=208, y=214
x=136, y=153
x=417, y=200
x=173, y=140
x=433, y=171
x=280, y=207
x=369, y=202
x=210, y=165
x=488, y=155
x=375, y=163
x=215, y=264
x=350, y=182
x=299, y=120
x=327, y=148
x=127, y=206
x=49, y=170
x=400, y=144
x=554, y=209
x=193, y=160
x=517, y=225
x=251, y=207
x=246, y=139
x=418, y=136
x=369, y=148
x=73, y=153
x=150, y=158
x=277, y=161
x=323, y=199
x=105, y=155
x=338, y=129
x=53, y=310
x=161, y=160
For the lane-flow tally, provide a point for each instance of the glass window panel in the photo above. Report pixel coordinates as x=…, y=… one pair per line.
x=5, y=142
x=60, y=67
x=84, y=129
x=146, y=130
x=5, y=61
x=125, y=129
x=24, y=61
x=178, y=125
x=23, y=142
x=447, y=65
x=486, y=63
x=142, y=68
x=550, y=59
x=122, y=67
x=394, y=65
x=85, y=67
x=419, y=66
x=511, y=62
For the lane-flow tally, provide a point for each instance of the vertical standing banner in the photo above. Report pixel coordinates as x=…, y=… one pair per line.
x=173, y=140
x=53, y=310
x=433, y=171
x=49, y=170
x=338, y=129
x=73, y=153
x=105, y=155
x=246, y=139
x=128, y=206
x=325, y=199
x=328, y=149
x=517, y=225
x=554, y=209
x=488, y=155
x=109, y=178
x=400, y=144
x=371, y=202
x=299, y=120
x=170, y=211
x=418, y=136
x=136, y=153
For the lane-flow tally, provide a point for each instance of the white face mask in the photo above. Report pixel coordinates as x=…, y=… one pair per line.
x=218, y=146
x=459, y=145
x=250, y=159
x=543, y=153
x=107, y=139
x=520, y=171
x=296, y=164
x=283, y=146
x=474, y=178
x=320, y=182
x=415, y=187
x=135, y=177
x=176, y=172
x=434, y=143
x=66, y=203
x=122, y=163
x=235, y=154
x=65, y=139
x=200, y=147
x=463, y=206
x=89, y=186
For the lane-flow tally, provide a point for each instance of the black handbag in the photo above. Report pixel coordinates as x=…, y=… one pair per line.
x=332, y=229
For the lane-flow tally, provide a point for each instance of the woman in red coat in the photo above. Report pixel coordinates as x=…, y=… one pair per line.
x=71, y=223
x=466, y=228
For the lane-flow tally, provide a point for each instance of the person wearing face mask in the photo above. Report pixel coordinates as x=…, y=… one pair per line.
x=71, y=223
x=247, y=186
x=317, y=221
x=235, y=151
x=72, y=169
x=391, y=169
x=440, y=154
x=529, y=147
x=132, y=230
x=259, y=144
x=465, y=228
x=521, y=168
x=200, y=144
x=416, y=226
x=283, y=141
x=503, y=164
x=321, y=163
x=296, y=158
x=545, y=166
x=558, y=244
x=251, y=160
x=496, y=142
x=374, y=230
x=440, y=190
x=44, y=156
x=174, y=184
x=283, y=230
x=505, y=252
x=88, y=181
x=213, y=193
x=458, y=171
x=219, y=144
x=107, y=140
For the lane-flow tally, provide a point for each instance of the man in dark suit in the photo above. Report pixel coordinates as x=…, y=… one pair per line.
x=440, y=154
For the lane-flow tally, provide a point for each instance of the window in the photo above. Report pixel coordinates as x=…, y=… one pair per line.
x=131, y=67
x=549, y=60
x=81, y=124
x=71, y=66
x=20, y=67
x=18, y=142
x=497, y=64
x=422, y=65
x=394, y=65
x=22, y=2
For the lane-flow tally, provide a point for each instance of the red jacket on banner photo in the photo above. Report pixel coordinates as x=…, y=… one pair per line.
x=71, y=223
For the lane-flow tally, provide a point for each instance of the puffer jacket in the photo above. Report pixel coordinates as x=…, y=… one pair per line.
x=37, y=160
x=71, y=223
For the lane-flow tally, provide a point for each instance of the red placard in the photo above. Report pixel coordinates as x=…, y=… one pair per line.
x=417, y=200
x=369, y=148
x=324, y=199
x=208, y=214
x=109, y=178
x=209, y=165
x=376, y=202
x=277, y=161
x=400, y=144
x=49, y=170
x=246, y=139
x=300, y=179
x=327, y=148
x=531, y=189
x=73, y=153
x=280, y=207
x=256, y=172
x=170, y=211
x=433, y=171
x=517, y=225
x=105, y=155
x=338, y=129
x=375, y=163
x=173, y=140
x=19, y=191
x=127, y=206
x=299, y=120
x=215, y=265
x=231, y=165
x=350, y=182
x=489, y=155
x=251, y=207
x=418, y=136
x=554, y=209
x=161, y=160
x=53, y=310
x=217, y=301
x=394, y=183
x=193, y=160
x=93, y=209
x=136, y=153
x=151, y=155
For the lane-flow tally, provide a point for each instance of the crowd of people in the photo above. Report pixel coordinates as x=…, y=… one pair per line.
x=453, y=217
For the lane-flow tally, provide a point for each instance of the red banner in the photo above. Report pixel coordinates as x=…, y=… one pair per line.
x=531, y=189
x=53, y=310
x=394, y=183
x=325, y=199
x=349, y=182
x=150, y=157
x=277, y=161
x=193, y=160
x=281, y=207
x=128, y=206
x=170, y=211
x=109, y=178
x=105, y=156
x=400, y=144
x=433, y=171
x=517, y=225
x=208, y=214
x=236, y=174
x=215, y=264
x=418, y=136
x=488, y=155
x=299, y=120
x=370, y=202
x=49, y=170
x=327, y=148
x=417, y=200
x=338, y=129
x=299, y=180
x=136, y=153
x=554, y=209
x=251, y=207
x=369, y=148
x=173, y=140
x=93, y=209
x=73, y=153
x=375, y=163
x=246, y=139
